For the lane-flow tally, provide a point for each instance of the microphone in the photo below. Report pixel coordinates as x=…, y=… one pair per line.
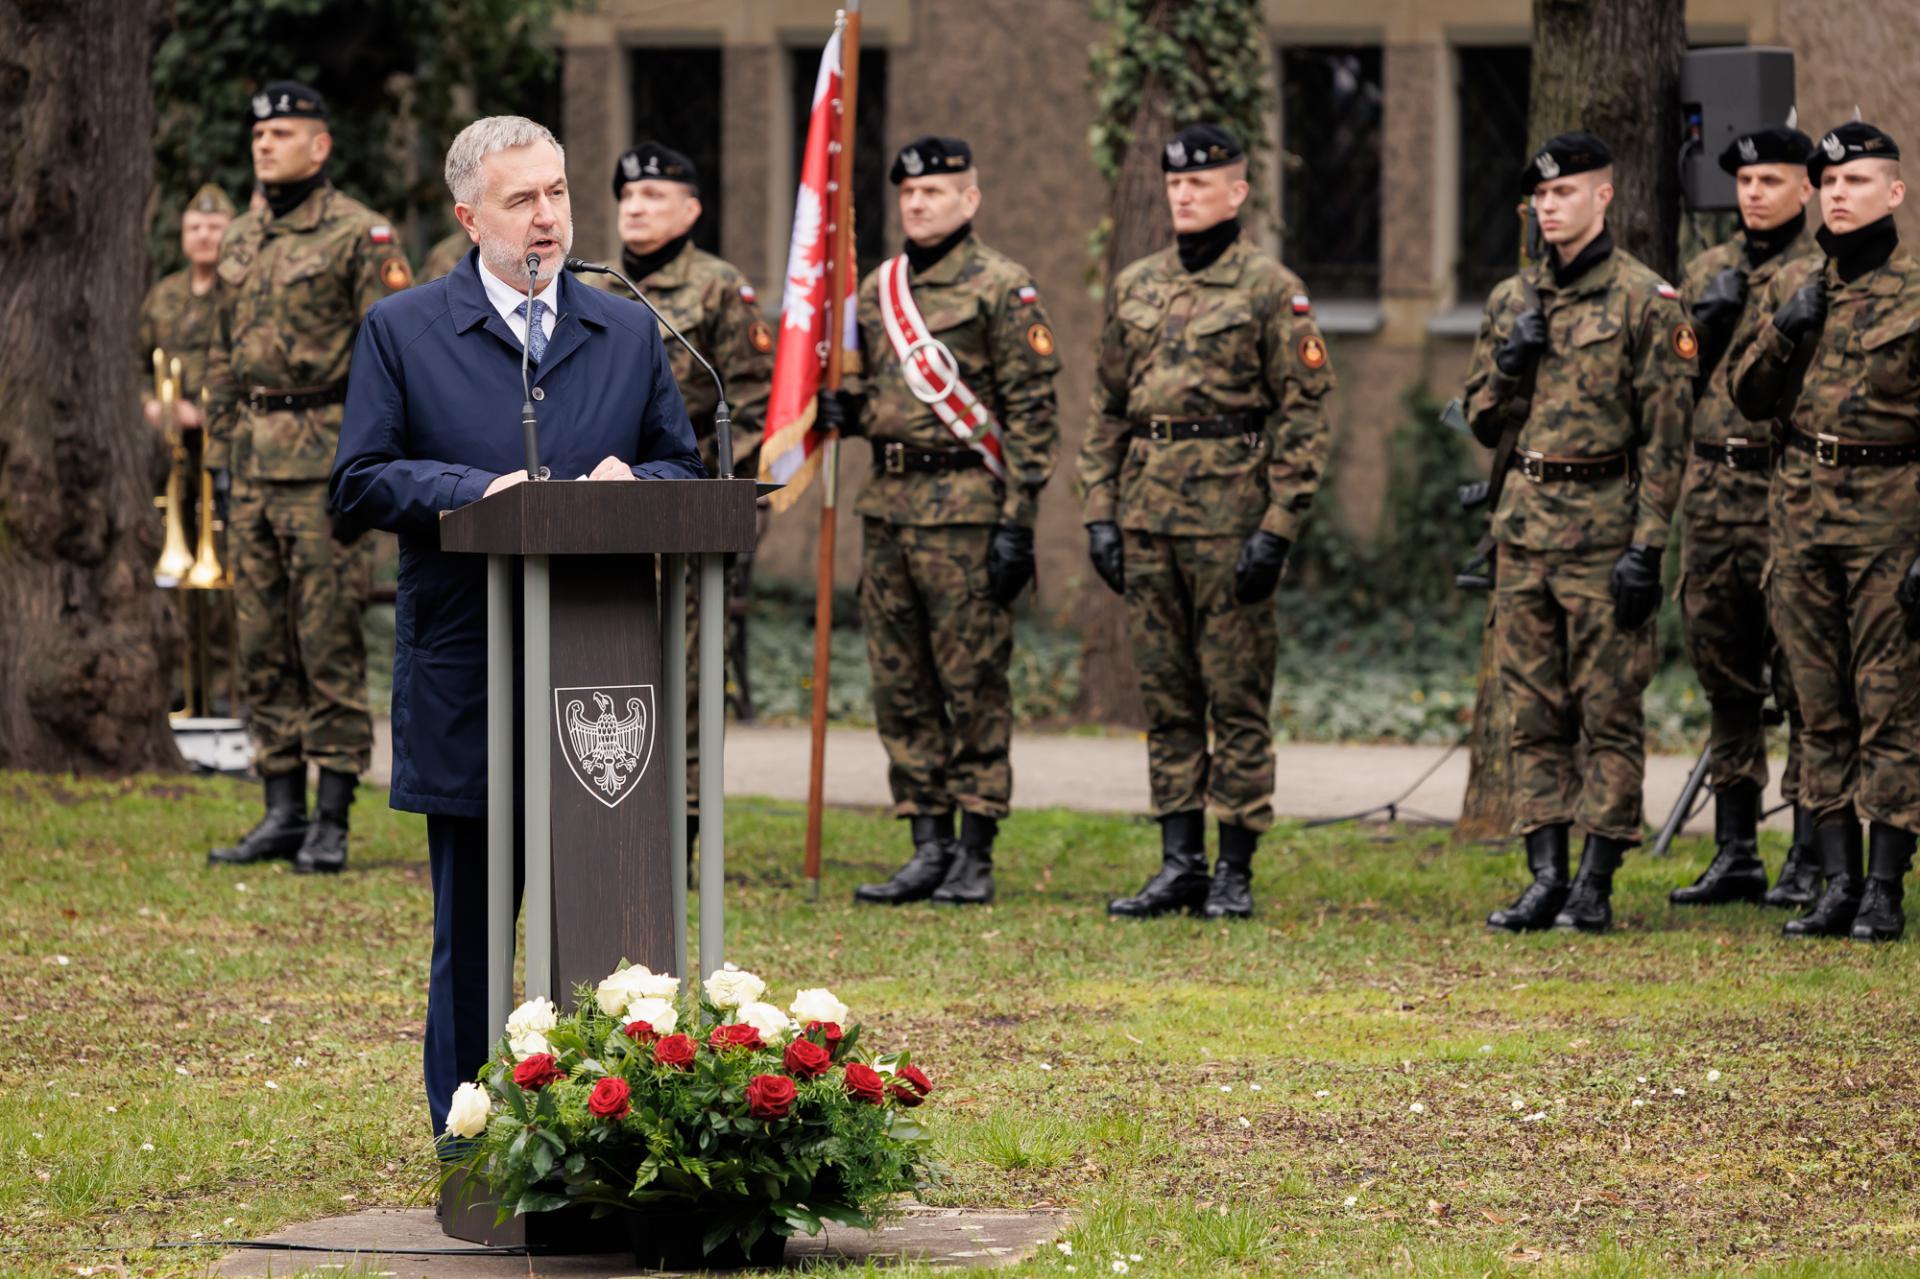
x=529, y=427
x=722, y=417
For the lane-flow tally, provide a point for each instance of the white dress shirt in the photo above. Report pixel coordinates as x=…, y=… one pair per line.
x=506, y=298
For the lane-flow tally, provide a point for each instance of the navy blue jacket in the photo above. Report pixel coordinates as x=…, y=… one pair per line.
x=432, y=418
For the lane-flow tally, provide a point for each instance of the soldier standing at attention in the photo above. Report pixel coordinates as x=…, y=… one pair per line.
x=710, y=301
x=1589, y=361
x=297, y=281
x=1208, y=443
x=1838, y=366
x=1723, y=520
x=956, y=396
x=178, y=313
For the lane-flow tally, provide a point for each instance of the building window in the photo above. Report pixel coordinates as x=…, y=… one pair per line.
x=1492, y=92
x=1330, y=168
x=872, y=148
x=676, y=102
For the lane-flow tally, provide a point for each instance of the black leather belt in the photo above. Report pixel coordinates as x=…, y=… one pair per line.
x=1831, y=450
x=1164, y=429
x=1542, y=468
x=267, y=400
x=896, y=458
x=1736, y=454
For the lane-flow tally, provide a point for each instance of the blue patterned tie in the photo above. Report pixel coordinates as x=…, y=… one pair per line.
x=536, y=334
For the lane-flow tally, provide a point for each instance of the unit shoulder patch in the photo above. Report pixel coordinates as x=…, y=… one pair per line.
x=1685, y=345
x=396, y=274
x=1040, y=338
x=761, y=336
x=1313, y=352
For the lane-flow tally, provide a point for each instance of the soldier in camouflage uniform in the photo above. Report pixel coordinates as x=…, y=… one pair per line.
x=946, y=542
x=1723, y=519
x=297, y=281
x=1209, y=441
x=446, y=255
x=1837, y=368
x=1591, y=360
x=712, y=304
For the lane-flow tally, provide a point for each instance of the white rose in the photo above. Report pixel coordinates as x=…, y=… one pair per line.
x=536, y=1015
x=657, y=1013
x=467, y=1116
x=765, y=1018
x=732, y=987
x=613, y=994
x=818, y=1004
x=526, y=1045
x=633, y=982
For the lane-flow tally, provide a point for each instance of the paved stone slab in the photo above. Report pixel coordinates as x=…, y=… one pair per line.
x=375, y=1242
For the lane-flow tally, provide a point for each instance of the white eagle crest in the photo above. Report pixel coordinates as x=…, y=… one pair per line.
x=630, y=165
x=1836, y=149
x=608, y=749
x=1177, y=154
x=1548, y=166
x=1748, y=151
x=804, y=265
x=262, y=105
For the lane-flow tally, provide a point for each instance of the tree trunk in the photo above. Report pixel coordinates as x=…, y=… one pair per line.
x=88, y=646
x=1611, y=67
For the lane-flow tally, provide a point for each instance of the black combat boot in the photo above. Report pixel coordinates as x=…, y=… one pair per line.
x=279, y=834
x=924, y=871
x=1589, y=906
x=1230, y=895
x=1889, y=857
x=1181, y=881
x=1799, y=881
x=1832, y=915
x=969, y=880
x=1736, y=873
x=325, y=849
x=1535, y=908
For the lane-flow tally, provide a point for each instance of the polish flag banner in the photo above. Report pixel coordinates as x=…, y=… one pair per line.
x=792, y=450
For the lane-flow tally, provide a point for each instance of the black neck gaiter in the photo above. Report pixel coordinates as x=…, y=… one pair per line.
x=639, y=266
x=1584, y=261
x=284, y=197
x=1855, y=253
x=921, y=257
x=1201, y=249
x=1764, y=246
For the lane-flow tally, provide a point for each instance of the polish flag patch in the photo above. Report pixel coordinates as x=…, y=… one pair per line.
x=1667, y=291
x=1027, y=295
x=747, y=294
x=380, y=234
x=1301, y=305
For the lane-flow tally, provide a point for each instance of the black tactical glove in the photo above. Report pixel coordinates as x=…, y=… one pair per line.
x=1108, y=554
x=1721, y=302
x=1257, y=572
x=1523, y=345
x=1805, y=311
x=1009, y=562
x=1908, y=597
x=840, y=411
x=1635, y=584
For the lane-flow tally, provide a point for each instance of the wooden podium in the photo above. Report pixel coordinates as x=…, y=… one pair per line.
x=604, y=746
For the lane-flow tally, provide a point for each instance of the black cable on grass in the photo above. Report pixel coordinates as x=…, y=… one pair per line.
x=1392, y=807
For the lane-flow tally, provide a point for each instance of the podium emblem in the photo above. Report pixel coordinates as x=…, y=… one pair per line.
x=608, y=746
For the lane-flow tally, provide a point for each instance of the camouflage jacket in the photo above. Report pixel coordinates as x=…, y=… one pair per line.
x=983, y=306
x=1862, y=385
x=445, y=255
x=296, y=289
x=710, y=301
x=1617, y=376
x=181, y=324
x=1235, y=337
x=1713, y=493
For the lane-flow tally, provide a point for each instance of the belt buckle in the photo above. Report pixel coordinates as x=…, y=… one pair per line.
x=1533, y=465
x=893, y=458
x=1160, y=429
x=1730, y=451
x=1826, y=449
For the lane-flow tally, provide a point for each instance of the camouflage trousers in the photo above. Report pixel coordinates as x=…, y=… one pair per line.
x=298, y=600
x=1858, y=677
x=1730, y=642
x=939, y=647
x=1205, y=660
x=1571, y=678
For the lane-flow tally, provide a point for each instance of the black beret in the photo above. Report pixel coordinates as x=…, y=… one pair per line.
x=287, y=98
x=651, y=160
x=1566, y=153
x=1775, y=144
x=1200, y=146
x=930, y=155
x=1854, y=140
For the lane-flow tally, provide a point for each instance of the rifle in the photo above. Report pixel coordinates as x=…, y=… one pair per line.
x=1478, y=572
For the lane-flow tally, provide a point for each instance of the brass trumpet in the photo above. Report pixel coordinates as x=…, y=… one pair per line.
x=206, y=573
x=175, y=559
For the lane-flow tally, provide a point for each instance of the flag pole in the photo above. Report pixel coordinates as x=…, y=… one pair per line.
x=839, y=255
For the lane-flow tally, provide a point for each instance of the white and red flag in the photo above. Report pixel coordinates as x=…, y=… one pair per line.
x=791, y=453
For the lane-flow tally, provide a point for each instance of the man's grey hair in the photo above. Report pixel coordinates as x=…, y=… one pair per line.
x=465, y=177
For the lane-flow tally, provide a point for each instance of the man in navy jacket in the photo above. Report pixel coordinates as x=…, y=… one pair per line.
x=432, y=423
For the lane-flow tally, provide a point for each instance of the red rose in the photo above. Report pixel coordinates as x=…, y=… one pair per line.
x=914, y=1089
x=829, y=1032
x=806, y=1059
x=770, y=1096
x=675, y=1051
x=864, y=1083
x=536, y=1071
x=736, y=1035
x=609, y=1099
x=641, y=1032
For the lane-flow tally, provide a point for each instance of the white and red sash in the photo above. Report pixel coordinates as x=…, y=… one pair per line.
x=932, y=372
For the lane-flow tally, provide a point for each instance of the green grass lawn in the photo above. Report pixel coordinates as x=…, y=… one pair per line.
x=1360, y=1081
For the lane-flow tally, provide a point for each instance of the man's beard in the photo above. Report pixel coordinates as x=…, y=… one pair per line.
x=508, y=258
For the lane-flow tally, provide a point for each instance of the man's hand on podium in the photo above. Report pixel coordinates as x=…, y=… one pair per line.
x=506, y=481
x=611, y=468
